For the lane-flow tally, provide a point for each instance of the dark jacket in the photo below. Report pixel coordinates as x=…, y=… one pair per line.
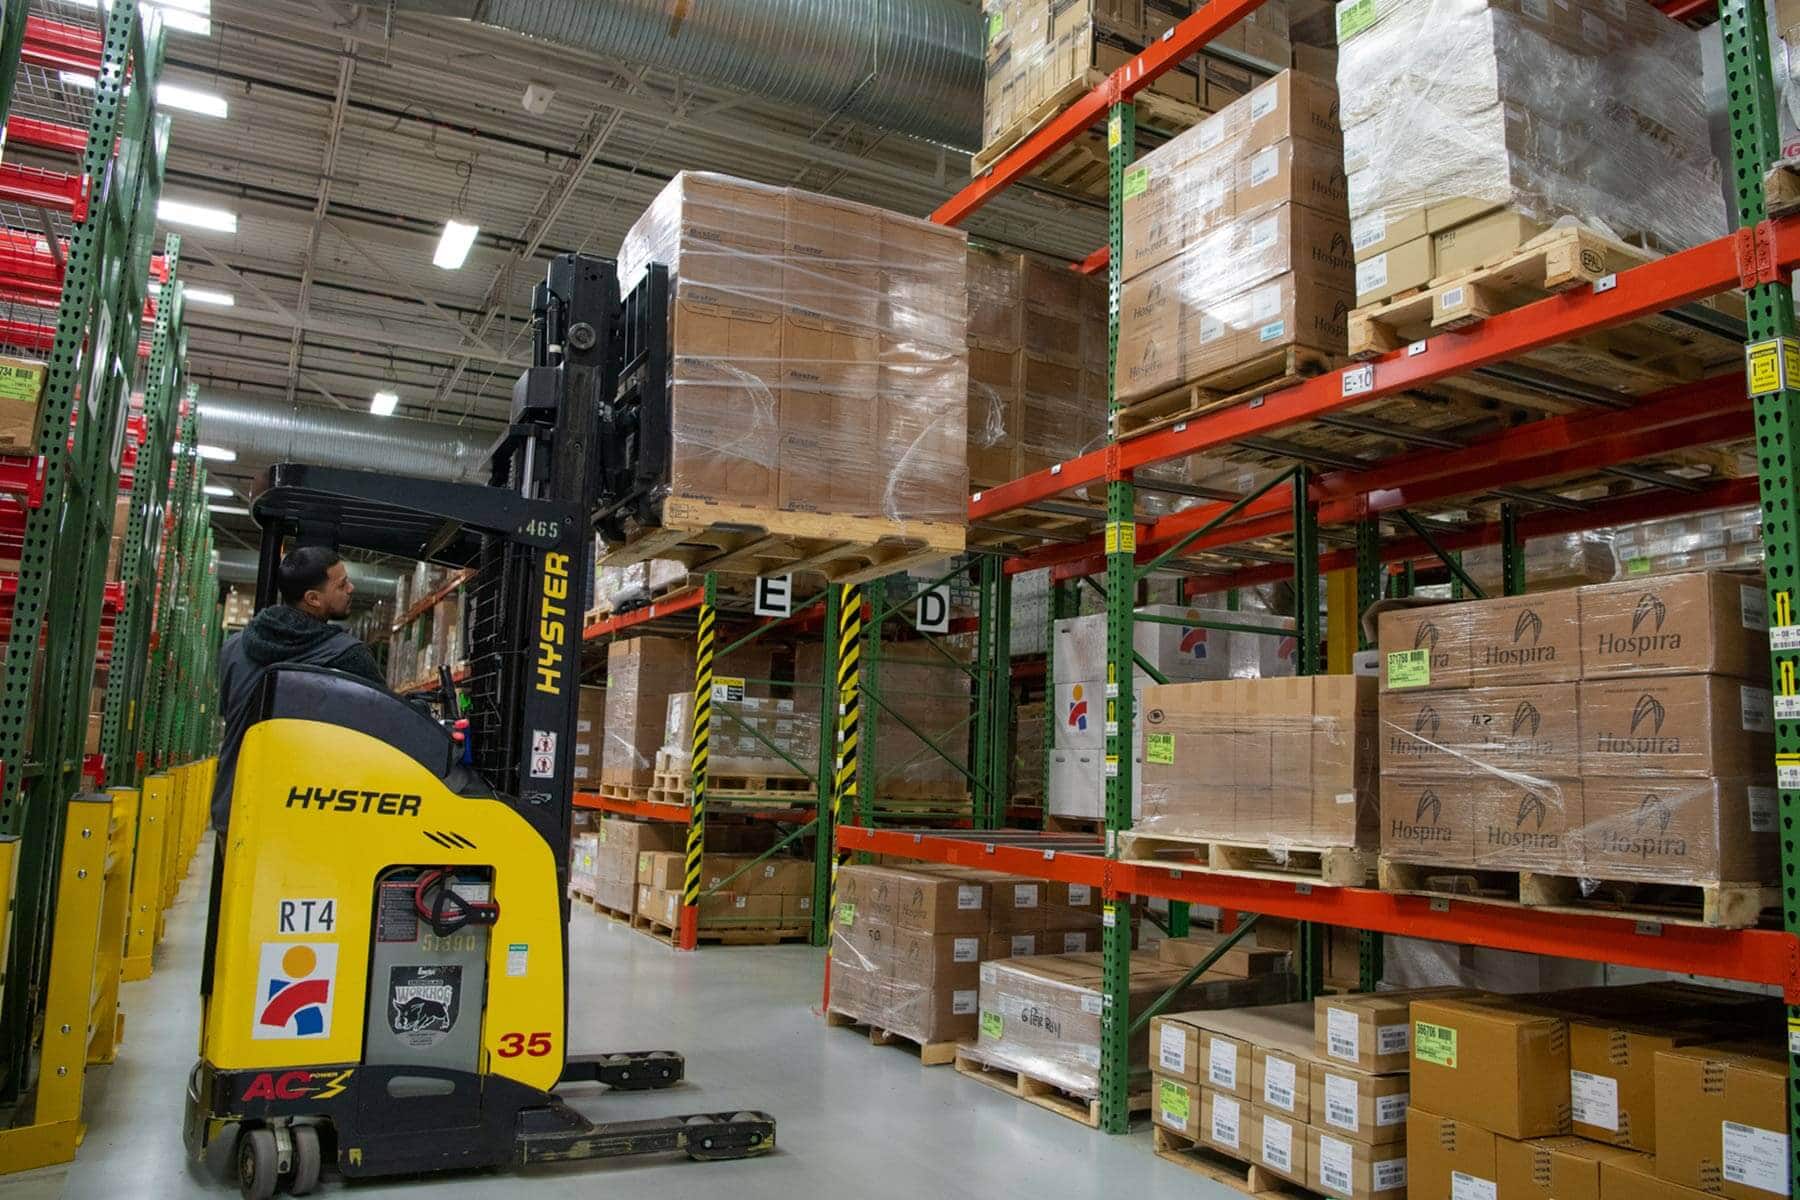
x=278, y=634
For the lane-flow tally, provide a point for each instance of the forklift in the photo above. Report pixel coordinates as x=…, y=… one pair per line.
x=386, y=973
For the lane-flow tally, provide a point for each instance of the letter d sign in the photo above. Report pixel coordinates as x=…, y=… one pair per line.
x=934, y=610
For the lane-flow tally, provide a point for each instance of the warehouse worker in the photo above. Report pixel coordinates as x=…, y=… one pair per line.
x=315, y=590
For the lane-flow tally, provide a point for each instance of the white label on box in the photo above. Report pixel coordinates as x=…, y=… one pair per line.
x=1755, y=705
x=1393, y=1039
x=1595, y=1100
x=1262, y=101
x=1278, y=1083
x=965, y=950
x=1340, y=1102
x=1271, y=331
x=1784, y=637
x=1341, y=1034
x=1265, y=302
x=1024, y=945
x=968, y=895
x=1264, y=164
x=1390, y=1175
x=1263, y=233
x=1025, y=895
x=1537, y=9
x=1370, y=228
x=1755, y=1157
x=1225, y=1121
x=1171, y=1048
x=1075, y=943
x=1211, y=329
x=1391, y=1110
x=1371, y=273
x=741, y=901
x=963, y=1001
x=1472, y=1187
x=1762, y=804
x=1594, y=29
x=1221, y=1064
x=988, y=974
x=1091, y=1003
x=1080, y=895
x=1211, y=134
x=1712, y=557
x=1336, y=1164
x=1277, y=1143
x=1753, y=607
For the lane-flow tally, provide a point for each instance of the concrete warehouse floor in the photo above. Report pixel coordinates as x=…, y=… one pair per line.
x=855, y=1119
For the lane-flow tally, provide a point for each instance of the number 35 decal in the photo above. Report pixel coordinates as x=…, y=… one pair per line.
x=535, y=1045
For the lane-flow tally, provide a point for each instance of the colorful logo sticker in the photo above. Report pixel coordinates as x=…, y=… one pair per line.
x=1193, y=642
x=294, y=989
x=1078, y=709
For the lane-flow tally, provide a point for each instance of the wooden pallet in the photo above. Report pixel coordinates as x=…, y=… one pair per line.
x=1713, y=905
x=1247, y=1178
x=1155, y=112
x=931, y=1054
x=1041, y=1092
x=629, y=792
x=746, y=539
x=1646, y=355
x=1059, y=824
x=1331, y=866
x=1236, y=384
x=621, y=915
x=748, y=935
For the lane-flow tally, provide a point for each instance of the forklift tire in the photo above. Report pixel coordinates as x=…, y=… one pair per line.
x=219, y=1159
x=257, y=1164
x=306, y=1160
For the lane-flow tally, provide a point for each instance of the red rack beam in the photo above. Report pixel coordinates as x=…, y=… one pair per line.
x=1751, y=955
x=46, y=135
x=1180, y=42
x=60, y=46
x=54, y=190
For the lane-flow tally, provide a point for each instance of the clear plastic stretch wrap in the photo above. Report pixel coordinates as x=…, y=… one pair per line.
x=1621, y=731
x=1041, y=1016
x=1236, y=242
x=1282, y=763
x=619, y=588
x=1556, y=561
x=819, y=359
x=584, y=849
x=749, y=735
x=1732, y=538
x=1590, y=109
x=920, y=688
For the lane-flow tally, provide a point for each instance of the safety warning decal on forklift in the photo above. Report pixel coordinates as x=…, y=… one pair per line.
x=423, y=1002
x=543, y=754
x=294, y=990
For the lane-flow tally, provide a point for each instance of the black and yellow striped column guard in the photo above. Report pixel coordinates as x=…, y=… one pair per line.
x=696, y=831
x=849, y=733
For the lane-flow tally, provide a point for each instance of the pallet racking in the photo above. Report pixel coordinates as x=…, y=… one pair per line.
x=76, y=279
x=1758, y=258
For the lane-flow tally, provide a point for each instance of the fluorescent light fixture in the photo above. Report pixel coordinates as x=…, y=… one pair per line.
x=453, y=246
x=213, y=489
x=178, y=212
x=173, y=95
x=232, y=509
x=201, y=8
x=215, y=453
x=76, y=79
x=204, y=296
x=383, y=404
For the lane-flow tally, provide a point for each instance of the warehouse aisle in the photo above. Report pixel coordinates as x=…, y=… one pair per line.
x=856, y=1120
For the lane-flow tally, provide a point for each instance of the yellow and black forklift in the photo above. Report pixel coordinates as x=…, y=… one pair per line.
x=385, y=984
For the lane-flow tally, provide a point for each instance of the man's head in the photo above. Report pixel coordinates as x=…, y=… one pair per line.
x=314, y=580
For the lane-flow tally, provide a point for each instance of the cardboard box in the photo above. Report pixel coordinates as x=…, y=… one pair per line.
x=1612, y=1078
x=1353, y=1170
x=1680, y=830
x=642, y=673
x=1017, y=905
x=1722, y=1120
x=1281, y=1076
x=663, y=870
x=1448, y=1159
x=1703, y=622
x=1278, y=1143
x=1018, y=945
x=934, y=904
x=1395, y=270
x=1225, y=1123
x=1358, y=1105
x=1175, y=1049
x=1423, y=649
x=1474, y=243
x=1554, y=1168
x=1176, y=1104
x=1371, y=1032
x=1633, y=1177
x=1223, y=1057
x=21, y=389
x=797, y=909
x=1515, y=640
x=1245, y=958
x=1688, y=726
x=1490, y=1062
x=727, y=371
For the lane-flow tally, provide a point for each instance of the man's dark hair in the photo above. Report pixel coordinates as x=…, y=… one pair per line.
x=304, y=570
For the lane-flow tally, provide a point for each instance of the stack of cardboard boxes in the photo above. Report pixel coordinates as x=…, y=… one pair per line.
x=1656, y=1104
x=1237, y=244
x=615, y=849
x=1621, y=731
x=762, y=736
x=908, y=945
x=1581, y=109
x=924, y=694
x=738, y=893
x=1037, y=364
x=819, y=358
x=590, y=738
x=641, y=674
x=617, y=589
x=1286, y=763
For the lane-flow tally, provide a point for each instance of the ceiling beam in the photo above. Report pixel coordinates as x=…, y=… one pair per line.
x=322, y=202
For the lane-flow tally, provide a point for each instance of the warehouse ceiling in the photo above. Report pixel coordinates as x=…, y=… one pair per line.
x=353, y=135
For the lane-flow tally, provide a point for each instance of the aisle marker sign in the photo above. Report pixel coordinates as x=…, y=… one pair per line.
x=775, y=596
x=1773, y=365
x=933, y=613
x=1787, y=704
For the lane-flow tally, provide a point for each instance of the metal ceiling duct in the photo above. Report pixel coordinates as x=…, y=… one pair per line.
x=912, y=66
x=262, y=433
x=376, y=582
